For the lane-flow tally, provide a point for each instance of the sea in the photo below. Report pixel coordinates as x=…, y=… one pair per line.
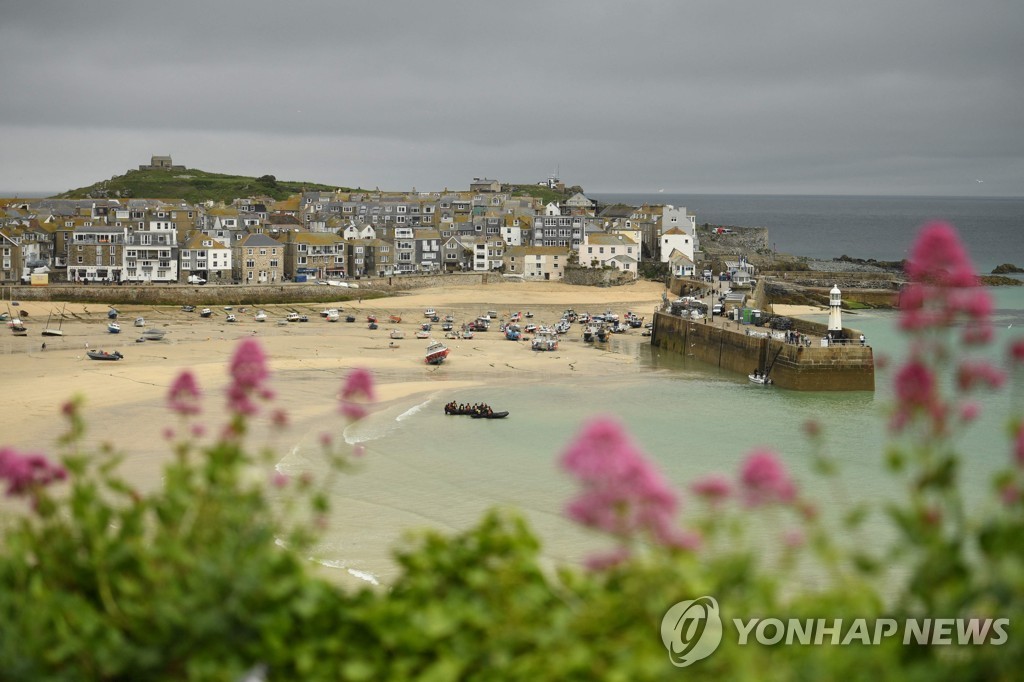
x=425, y=471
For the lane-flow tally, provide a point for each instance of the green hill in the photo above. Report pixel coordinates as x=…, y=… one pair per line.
x=194, y=186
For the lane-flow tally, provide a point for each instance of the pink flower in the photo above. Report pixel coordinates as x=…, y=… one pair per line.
x=971, y=373
x=622, y=493
x=969, y=412
x=713, y=488
x=917, y=393
x=25, y=473
x=938, y=258
x=793, y=538
x=279, y=480
x=359, y=383
x=248, y=371
x=358, y=388
x=279, y=418
x=183, y=397
x=1017, y=351
x=764, y=480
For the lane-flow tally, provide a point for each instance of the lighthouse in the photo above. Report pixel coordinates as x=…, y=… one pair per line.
x=835, y=314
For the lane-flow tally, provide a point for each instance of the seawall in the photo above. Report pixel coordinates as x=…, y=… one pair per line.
x=833, y=368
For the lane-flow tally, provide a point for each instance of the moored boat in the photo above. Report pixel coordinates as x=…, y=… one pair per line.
x=205, y=312
x=436, y=353
x=103, y=355
x=759, y=378
x=545, y=342
x=140, y=322
x=231, y=318
x=114, y=328
x=396, y=334
x=260, y=316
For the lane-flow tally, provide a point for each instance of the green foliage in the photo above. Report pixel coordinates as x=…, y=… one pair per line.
x=194, y=186
x=206, y=577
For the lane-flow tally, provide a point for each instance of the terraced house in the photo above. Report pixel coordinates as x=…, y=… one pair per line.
x=258, y=259
x=318, y=255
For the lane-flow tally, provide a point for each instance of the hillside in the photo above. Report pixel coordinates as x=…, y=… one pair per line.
x=194, y=186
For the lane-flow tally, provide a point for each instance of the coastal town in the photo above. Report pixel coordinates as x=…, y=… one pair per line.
x=338, y=235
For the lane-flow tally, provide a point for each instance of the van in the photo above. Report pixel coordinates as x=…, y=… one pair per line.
x=196, y=279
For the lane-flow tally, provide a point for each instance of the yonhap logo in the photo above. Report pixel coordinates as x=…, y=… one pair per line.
x=691, y=630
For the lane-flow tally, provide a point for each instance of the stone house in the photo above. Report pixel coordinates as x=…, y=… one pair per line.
x=258, y=259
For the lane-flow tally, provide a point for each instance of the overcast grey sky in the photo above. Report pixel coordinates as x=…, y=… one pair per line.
x=818, y=97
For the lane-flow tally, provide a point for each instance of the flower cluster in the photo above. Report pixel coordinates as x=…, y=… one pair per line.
x=249, y=374
x=27, y=473
x=622, y=493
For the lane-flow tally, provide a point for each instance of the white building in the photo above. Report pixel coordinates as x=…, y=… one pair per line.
x=600, y=250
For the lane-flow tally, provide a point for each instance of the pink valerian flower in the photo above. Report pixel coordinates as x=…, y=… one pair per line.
x=183, y=398
x=1017, y=351
x=248, y=372
x=969, y=412
x=764, y=480
x=917, y=393
x=279, y=480
x=938, y=258
x=714, y=488
x=357, y=390
x=622, y=493
x=944, y=287
x=25, y=473
x=971, y=373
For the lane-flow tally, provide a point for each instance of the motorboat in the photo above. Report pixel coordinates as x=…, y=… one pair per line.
x=436, y=353
x=205, y=312
x=231, y=318
x=372, y=325
x=513, y=332
x=292, y=317
x=260, y=316
x=153, y=334
x=429, y=312
x=188, y=308
x=333, y=315
x=112, y=314
x=113, y=328
x=490, y=415
x=140, y=322
x=759, y=378
x=545, y=342
x=395, y=319
x=397, y=334
x=102, y=354
x=423, y=334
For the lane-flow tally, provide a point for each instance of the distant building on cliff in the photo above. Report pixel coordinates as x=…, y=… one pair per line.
x=161, y=163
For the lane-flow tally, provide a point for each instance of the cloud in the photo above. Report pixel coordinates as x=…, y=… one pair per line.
x=699, y=96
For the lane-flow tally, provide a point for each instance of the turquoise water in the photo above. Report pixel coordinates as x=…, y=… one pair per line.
x=425, y=469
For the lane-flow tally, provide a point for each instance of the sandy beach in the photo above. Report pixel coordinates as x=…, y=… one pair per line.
x=125, y=401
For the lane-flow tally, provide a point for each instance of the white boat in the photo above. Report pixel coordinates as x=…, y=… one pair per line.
x=205, y=312
x=18, y=327
x=546, y=341
x=397, y=334
x=589, y=332
x=140, y=322
x=153, y=334
x=333, y=315
x=50, y=331
x=436, y=353
x=758, y=378
x=113, y=328
x=231, y=318
x=293, y=317
x=260, y=316
x=422, y=334
x=429, y=312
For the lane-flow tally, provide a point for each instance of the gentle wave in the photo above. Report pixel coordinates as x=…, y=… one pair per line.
x=354, y=572
x=412, y=410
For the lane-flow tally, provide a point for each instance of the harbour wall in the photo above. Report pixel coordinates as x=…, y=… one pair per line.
x=847, y=367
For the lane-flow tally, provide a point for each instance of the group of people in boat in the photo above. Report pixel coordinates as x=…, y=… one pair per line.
x=468, y=408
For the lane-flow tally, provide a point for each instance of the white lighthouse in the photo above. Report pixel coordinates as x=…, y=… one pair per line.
x=835, y=313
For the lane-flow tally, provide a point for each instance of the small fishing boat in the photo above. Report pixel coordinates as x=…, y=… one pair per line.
x=103, y=355
x=303, y=318
x=18, y=327
x=395, y=319
x=140, y=322
x=333, y=316
x=372, y=325
x=114, y=328
x=429, y=312
x=153, y=334
x=513, y=332
x=490, y=415
x=436, y=353
x=292, y=317
x=326, y=312
x=397, y=334
x=545, y=342
x=260, y=316
x=759, y=378
x=423, y=334
x=589, y=332
x=350, y=318
x=205, y=312
x=371, y=318
x=231, y=318
x=188, y=308
x=112, y=314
